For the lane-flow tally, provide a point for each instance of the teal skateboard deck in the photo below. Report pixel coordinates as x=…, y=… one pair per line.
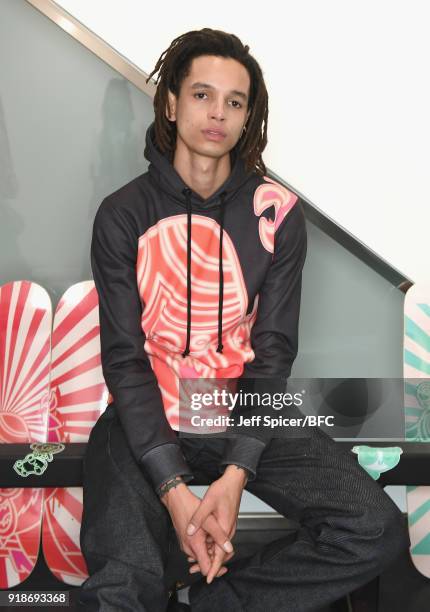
x=417, y=414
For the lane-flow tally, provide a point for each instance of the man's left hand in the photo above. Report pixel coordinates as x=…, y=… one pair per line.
x=223, y=500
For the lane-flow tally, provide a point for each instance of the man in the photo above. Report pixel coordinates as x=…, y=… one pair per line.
x=198, y=265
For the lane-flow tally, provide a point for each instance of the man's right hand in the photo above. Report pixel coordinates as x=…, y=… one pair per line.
x=181, y=504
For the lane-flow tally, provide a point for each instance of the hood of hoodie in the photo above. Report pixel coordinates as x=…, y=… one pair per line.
x=170, y=182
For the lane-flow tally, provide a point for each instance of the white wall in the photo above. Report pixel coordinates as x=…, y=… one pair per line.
x=349, y=101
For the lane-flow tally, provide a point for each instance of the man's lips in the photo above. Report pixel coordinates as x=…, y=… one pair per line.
x=214, y=134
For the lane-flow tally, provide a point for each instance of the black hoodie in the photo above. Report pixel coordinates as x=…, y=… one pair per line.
x=171, y=307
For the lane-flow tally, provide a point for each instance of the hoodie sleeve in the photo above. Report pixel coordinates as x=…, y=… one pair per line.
x=274, y=335
x=126, y=367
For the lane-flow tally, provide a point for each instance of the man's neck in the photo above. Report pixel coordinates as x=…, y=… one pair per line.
x=204, y=175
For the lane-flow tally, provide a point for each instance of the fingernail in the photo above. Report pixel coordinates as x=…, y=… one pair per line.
x=190, y=529
x=228, y=547
x=209, y=580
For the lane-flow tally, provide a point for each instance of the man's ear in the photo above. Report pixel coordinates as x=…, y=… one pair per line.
x=171, y=106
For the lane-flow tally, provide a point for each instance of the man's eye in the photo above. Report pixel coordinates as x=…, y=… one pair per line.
x=200, y=93
x=239, y=105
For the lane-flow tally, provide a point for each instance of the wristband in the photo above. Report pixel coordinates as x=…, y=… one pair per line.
x=170, y=484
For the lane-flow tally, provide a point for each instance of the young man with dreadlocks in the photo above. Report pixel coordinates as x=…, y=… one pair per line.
x=198, y=265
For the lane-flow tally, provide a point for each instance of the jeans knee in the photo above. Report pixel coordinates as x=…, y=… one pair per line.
x=394, y=539
x=375, y=538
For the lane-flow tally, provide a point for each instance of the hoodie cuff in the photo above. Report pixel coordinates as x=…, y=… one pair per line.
x=164, y=462
x=244, y=451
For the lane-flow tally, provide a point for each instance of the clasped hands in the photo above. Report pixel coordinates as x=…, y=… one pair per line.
x=206, y=526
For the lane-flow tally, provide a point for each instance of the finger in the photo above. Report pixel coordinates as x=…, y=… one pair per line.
x=228, y=556
x=199, y=516
x=217, y=532
x=196, y=568
x=201, y=554
x=210, y=549
x=217, y=562
x=187, y=549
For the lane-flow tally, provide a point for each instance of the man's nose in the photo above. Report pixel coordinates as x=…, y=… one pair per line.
x=217, y=110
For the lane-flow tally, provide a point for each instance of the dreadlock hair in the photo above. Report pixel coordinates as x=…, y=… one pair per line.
x=173, y=66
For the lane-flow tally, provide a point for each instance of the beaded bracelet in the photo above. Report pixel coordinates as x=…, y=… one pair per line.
x=166, y=486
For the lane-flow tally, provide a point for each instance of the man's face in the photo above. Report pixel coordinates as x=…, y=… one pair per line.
x=214, y=96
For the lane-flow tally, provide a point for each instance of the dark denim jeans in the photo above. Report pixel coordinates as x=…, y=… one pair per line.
x=350, y=529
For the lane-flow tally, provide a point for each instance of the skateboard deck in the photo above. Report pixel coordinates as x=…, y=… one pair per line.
x=417, y=414
x=78, y=397
x=25, y=334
